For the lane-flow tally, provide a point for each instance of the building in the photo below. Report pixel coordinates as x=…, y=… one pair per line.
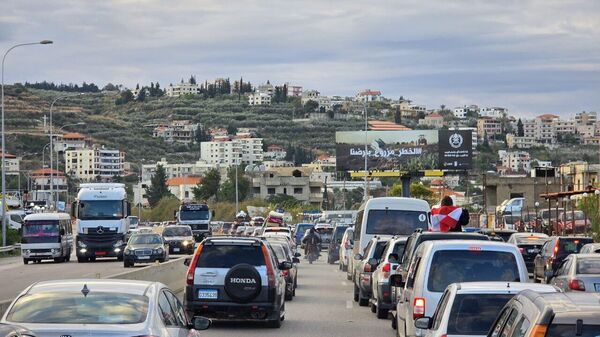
x=266, y=88
x=409, y=110
x=275, y=152
x=493, y=112
x=586, y=118
x=13, y=163
x=183, y=88
x=578, y=175
x=182, y=187
x=259, y=98
x=376, y=125
x=136, y=92
x=182, y=131
x=292, y=181
x=488, y=127
x=69, y=141
x=433, y=120
x=542, y=128
x=94, y=163
x=369, y=95
x=40, y=180
x=515, y=161
x=461, y=112
x=269, y=164
x=172, y=170
x=228, y=151
x=310, y=95
x=515, y=142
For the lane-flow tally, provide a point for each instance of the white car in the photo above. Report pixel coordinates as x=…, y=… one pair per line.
x=116, y=308
x=437, y=264
x=346, y=249
x=470, y=308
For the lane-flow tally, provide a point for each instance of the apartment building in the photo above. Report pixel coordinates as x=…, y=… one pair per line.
x=515, y=161
x=310, y=95
x=227, y=151
x=369, y=95
x=68, y=141
x=579, y=175
x=259, y=98
x=294, y=90
x=94, y=163
x=183, y=88
x=292, y=181
x=172, y=170
x=493, y=112
x=542, y=128
x=409, y=110
x=275, y=152
x=41, y=182
x=488, y=126
x=586, y=118
x=513, y=141
x=461, y=112
x=182, y=131
x=13, y=163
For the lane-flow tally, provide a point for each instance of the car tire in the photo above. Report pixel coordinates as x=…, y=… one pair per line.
x=82, y=259
x=92, y=259
x=289, y=296
x=355, y=293
x=394, y=323
x=276, y=323
x=119, y=258
x=373, y=307
x=362, y=301
x=382, y=313
x=25, y=261
x=59, y=259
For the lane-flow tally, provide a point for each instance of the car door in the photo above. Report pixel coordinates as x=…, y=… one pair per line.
x=182, y=319
x=561, y=279
x=170, y=319
x=539, y=261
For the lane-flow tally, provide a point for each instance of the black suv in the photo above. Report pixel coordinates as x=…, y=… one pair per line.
x=554, y=251
x=333, y=250
x=236, y=278
x=549, y=315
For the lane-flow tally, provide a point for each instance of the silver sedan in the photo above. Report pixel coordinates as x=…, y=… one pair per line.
x=118, y=308
x=579, y=272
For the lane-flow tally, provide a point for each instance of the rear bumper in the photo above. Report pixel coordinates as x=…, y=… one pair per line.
x=384, y=302
x=364, y=283
x=232, y=311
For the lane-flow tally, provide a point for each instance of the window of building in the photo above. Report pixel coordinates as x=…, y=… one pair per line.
x=271, y=190
x=298, y=190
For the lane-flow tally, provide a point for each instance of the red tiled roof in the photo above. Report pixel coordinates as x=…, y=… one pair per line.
x=46, y=171
x=434, y=115
x=547, y=116
x=178, y=181
x=8, y=155
x=73, y=135
x=274, y=148
x=386, y=126
x=370, y=92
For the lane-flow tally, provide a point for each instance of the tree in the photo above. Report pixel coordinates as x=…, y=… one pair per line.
x=158, y=188
x=192, y=79
x=209, y=186
x=109, y=87
x=396, y=190
x=520, y=129
x=141, y=95
x=310, y=106
x=397, y=116
x=125, y=97
x=227, y=190
x=202, y=136
x=231, y=129
x=420, y=191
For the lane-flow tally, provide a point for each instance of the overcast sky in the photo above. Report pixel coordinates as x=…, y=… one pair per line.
x=530, y=56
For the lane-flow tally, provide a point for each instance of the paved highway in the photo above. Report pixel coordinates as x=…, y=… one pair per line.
x=323, y=306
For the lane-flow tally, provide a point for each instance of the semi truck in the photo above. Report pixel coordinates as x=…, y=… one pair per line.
x=101, y=212
x=197, y=216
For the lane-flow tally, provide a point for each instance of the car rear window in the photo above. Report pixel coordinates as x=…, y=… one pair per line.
x=588, y=266
x=570, y=330
x=572, y=245
x=474, y=314
x=75, y=308
x=227, y=256
x=279, y=252
x=399, y=249
x=452, y=266
x=395, y=222
x=379, y=248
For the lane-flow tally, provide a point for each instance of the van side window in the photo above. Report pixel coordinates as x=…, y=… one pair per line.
x=439, y=312
x=414, y=268
x=407, y=252
x=510, y=322
x=358, y=226
x=500, y=323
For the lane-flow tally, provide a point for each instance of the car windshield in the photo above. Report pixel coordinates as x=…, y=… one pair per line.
x=75, y=308
x=570, y=330
x=227, y=256
x=474, y=265
x=395, y=222
x=145, y=239
x=40, y=228
x=100, y=209
x=588, y=266
x=178, y=231
x=303, y=228
x=474, y=314
x=571, y=245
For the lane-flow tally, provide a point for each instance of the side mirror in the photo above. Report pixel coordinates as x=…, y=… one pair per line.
x=358, y=257
x=285, y=265
x=396, y=280
x=187, y=261
x=175, y=215
x=423, y=323
x=62, y=232
x=549, y=273
x=373, y=262
x=297, y=255
x=74, y=209
x=296, y=260
x=201, y=323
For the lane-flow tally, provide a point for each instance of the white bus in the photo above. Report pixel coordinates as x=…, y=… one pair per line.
x=46, y=236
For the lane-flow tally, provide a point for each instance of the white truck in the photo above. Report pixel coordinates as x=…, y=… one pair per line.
x=102, y=221
x=197, y=216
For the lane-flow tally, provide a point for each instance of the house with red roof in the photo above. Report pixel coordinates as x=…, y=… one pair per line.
x=13, y=163
x=433, y=120
x=182, y=187
x=369, y=95
x=69, y=141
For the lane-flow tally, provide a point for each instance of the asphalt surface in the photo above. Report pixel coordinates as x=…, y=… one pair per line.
x=323, y=306
x=15, y=276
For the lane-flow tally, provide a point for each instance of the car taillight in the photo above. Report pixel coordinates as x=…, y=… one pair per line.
x=386, y=268
x=522, y=250
x=285, y=273
x=270, y=269
x=192, y=267
x=418, y=308
x=367, y=268
x=555, y=250
x=575, y=284
x=538, y=331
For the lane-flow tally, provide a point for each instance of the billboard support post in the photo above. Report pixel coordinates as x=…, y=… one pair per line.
x=405, y=186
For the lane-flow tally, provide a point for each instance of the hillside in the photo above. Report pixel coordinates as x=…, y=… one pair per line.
x=127, y=126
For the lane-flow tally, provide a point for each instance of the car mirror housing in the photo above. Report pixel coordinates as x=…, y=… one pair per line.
x=285, y=265
x=296, y=260
x=396, y=280
x=187, y=262
x=423, y=323
x=201, y=323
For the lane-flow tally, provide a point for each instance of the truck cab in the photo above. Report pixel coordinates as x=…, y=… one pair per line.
x=197, y=216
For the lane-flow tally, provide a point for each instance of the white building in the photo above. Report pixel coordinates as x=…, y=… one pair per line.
x=369, y=95
x=493, y=112
x=41, y=183
x=13, y=163
x=94, y=163
x=184, y=88
x=294, y=90
x=182, y=187
x=310, y=95
x=229, y=151
x=266, y=88
x=182, y=131
x=68, y=141
x=515, y=161
x=586, y=118
x=172, y=170
x=275, y=152
x=461, y=112
x=259, y=98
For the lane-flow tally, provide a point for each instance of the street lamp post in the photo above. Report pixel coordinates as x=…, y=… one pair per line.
x=3, y=136
x=55, y=200
x=366, y=194
x=537, y=219
x=52, y=203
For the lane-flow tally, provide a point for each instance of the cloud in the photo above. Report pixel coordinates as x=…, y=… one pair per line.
x=531, y=56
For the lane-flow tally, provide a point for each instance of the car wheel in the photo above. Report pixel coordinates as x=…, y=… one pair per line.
x=382, y=313
x=355, y=293
x=362, y=301
x=25, y=261
x=82, y=259
x=93, y=258
x=289, y=296
x=120, y=258
x=59, y=259
x=373, y=308
x=276, y=323
x=394, y=323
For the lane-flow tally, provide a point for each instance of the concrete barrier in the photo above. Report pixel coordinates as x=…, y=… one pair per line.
x=171, y=273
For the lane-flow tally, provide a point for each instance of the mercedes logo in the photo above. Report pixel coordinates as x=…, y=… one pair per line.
x=100, y=230
x=65, y=335
x=456, y=140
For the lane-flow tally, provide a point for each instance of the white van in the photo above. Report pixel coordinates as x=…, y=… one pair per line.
x=46, y=236
x=437, y=264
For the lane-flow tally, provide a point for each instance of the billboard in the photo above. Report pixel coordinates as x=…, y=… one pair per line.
x=413, y=150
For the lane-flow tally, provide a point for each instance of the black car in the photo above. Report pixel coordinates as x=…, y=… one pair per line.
x=179, y=238
x=550, y=315
x=145, y=248
x=284, y=253
x=8, y=330
x=333, y=250
x=530, y=245
x=554, y=251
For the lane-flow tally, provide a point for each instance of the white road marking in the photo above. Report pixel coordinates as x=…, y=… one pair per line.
x=344, y=283
x=349, y=304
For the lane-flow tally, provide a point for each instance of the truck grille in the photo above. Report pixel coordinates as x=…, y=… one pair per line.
x=199, y=227
x=100, y=238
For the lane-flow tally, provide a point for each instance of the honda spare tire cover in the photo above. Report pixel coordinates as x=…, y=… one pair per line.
x=243, y=283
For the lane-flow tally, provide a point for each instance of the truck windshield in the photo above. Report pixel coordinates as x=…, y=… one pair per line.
x=41, y=231
x=193, y=215
x=395, y=222
x=100, y=209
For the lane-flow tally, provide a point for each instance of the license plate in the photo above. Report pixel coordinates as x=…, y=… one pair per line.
x=144, y=257
x=597, y=286
x=175, y=250
x=208, y=294
x=100, y=253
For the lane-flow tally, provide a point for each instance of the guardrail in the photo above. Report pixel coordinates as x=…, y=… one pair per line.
x=12, y=248
x=171, y=273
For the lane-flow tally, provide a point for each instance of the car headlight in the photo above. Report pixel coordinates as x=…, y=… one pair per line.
x=55, y=250
x=185, y=243
x=27, y=251
x=81, y=244
x=158, y=250
x=127, y=251
x=118, y=243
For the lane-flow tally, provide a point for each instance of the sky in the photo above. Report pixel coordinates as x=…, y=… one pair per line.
x=531, y=56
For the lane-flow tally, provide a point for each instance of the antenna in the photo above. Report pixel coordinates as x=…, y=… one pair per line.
x=85, y=291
